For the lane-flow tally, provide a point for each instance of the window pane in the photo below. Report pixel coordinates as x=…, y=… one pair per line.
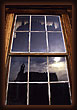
x=57, y=69
x=17, y=94
x=18, y=69
x=38, y=94
x=60, y=94
x=37, y=23
x=38, y=42
x=56, y=43
x=22, y=23
x=20, y=42
x=53, y=23
x=38, y=69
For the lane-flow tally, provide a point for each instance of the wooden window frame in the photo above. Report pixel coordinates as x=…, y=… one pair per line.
x=59, y=12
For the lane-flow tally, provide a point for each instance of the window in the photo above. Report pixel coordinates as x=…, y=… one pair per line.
x=38, y=73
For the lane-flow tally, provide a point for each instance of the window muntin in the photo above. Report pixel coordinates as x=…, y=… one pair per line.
x=31, y=83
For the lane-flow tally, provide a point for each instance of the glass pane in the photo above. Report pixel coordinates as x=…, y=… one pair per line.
x=18, y=69
x=17, y=94
x=20, y=42
x=38, y=42
x=37, y=23
x=57, y=69
x=60, y=94
x=38, y=94
x=53, y=23
x=22, y=23
x=56, y=43
x=38, y=69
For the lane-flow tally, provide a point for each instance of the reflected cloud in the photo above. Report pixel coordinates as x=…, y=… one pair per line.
x=42, y=23
x=41, y=68
x=60, y=69
x=57, y=59
x=19, y=23
x=50, y=23
x=56, y=25
x=58, y=65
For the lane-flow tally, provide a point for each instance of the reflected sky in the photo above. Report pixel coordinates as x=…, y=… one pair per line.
x=58, y=65
x=38, y=39
x=20, y=42
x=38, y=65
x=38, y=42
x=56, y=43
x=38, y=69
x=15, y=67
x=53, y=23
x=22, y=23
x=37, y=23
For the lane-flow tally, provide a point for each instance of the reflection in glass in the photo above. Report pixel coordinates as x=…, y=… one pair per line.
x=57, y=69
x=56, y=43
x=37, y=23
x=20, y=42
x=38, y=94
x=38, y=69
x=38, y=42
x=22, y=23
x=53, y=23
x=60, y=94
x=17, y=94
x=18, y=69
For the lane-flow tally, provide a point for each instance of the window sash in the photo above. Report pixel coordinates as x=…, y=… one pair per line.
x=47, y=43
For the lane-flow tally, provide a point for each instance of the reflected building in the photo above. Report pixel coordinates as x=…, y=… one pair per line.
x=21, y=75
x=35, y=76
x=53, y=77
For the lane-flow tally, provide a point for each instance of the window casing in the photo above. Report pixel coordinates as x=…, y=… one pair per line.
x=48, y=55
